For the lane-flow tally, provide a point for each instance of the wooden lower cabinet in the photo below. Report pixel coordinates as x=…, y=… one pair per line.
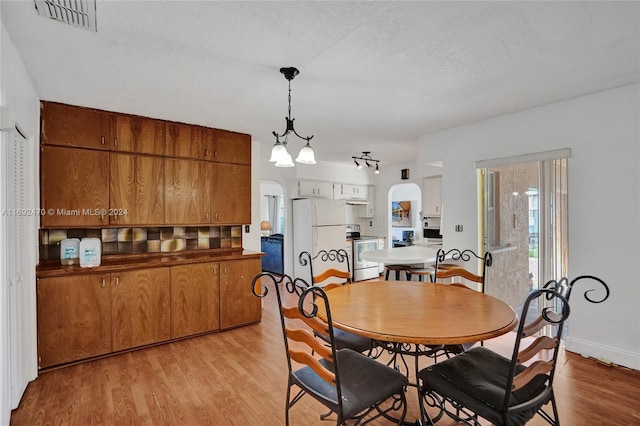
x=238, y=305
x=86, y=315
x=74, y=318
x=194, y=299
x=140, y=308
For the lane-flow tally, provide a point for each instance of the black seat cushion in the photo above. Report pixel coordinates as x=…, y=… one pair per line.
x=344, y=339
x=363, y=382
x=477, y=379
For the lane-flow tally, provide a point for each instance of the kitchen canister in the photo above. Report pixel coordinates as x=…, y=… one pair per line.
x=90, y=252
x=70, y=251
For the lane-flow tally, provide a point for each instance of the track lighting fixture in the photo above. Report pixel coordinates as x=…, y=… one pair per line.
x=279, y=153
x=368, y=161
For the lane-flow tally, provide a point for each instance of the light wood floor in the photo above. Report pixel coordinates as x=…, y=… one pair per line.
x=238, y=377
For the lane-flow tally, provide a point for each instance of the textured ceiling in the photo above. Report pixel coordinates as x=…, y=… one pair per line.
x=374, y=76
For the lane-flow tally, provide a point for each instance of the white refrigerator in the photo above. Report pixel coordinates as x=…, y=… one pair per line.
x=318, y=224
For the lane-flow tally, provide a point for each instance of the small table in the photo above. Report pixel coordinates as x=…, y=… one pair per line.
x=406, y=313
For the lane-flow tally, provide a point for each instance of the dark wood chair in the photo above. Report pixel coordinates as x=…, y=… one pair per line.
x=347, y=382
x=505, y=391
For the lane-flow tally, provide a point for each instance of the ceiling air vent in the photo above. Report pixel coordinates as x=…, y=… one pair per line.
x=79, y=13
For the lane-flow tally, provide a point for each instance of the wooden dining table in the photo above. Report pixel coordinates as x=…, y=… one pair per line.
x=418, y=319
x=419, y=313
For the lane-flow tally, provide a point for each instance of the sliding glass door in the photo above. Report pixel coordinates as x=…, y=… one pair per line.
x=524, y=225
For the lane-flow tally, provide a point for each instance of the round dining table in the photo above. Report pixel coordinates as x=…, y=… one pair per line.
x=419, y=313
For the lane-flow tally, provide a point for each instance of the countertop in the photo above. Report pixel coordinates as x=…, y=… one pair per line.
x=402, y=255
x=132, y=262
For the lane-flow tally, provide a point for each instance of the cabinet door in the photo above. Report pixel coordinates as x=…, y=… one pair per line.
x=74, y=126
x=195, y=293
x=238, y=305
x=309, y=188
x=74, y=186
x=74, y=318
x=140, y=308
x=368, y=210
x=231, y=147
x=187, y=191
x=185, y=140
x=136, y=189
x=354, y=192
x=138, y=134
x=231, y=194
x=432, y=204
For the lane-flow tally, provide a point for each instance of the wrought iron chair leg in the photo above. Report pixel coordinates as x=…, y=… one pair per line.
x=324, y=416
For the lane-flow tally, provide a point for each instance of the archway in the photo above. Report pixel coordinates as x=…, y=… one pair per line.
x=404, y=212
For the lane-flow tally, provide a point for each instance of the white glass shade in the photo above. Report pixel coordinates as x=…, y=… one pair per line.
x=285, y=161
x=278, y=152
x=306, y=155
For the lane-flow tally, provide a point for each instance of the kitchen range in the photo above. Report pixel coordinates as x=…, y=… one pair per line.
x=362, y=269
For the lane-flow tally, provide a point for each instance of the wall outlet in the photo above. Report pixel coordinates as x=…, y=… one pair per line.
x=370, y=223
x=458, y=228
x=246, y=229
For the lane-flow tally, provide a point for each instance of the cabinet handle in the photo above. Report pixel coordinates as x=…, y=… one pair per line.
x=216, y=215
x=102, y=140
x=115, y=141
x=225, y=270
x=117, y=280
x=206, y=152
x=215, y=153
x=104, y=283
x=206, y=215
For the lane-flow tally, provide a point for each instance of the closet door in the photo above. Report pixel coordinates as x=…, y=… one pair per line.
x=18, y=233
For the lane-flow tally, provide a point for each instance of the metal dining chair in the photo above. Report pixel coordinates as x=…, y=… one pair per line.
x=338, y=273
x=505, y=391
x=347, y=382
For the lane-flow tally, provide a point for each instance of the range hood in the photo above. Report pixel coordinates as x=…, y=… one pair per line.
x=357, y=202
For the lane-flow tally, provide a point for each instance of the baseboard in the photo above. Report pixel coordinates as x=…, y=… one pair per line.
x=604, y=353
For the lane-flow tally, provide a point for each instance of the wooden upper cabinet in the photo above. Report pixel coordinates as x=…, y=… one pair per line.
x=136, y=192
x=231, y=194
x=140, y=308
x=195, y=293
x=231, y=147
x=74, y=126
x=187, y=191
x=138, y=134
x=74, y=318
x=238, y=305
x=185, y=140
x=74, y=186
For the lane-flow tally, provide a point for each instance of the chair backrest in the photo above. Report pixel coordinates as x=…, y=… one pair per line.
x=326, y=265
x=465, y=261
x=302, y=329
x=534, y=366
x=564, y=287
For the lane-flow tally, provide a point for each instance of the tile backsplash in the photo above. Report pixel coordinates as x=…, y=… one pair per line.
x=145, y=240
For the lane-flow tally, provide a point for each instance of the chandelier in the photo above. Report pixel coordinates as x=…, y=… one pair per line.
x=367, y=160
x=279, y=153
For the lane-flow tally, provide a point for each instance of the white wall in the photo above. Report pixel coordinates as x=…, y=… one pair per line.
x=18, y=94
x=602, y=131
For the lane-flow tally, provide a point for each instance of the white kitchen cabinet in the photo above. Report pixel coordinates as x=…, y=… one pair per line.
x=315, y=189
x=368, y=210
x=346, y=191
x=432, y=197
